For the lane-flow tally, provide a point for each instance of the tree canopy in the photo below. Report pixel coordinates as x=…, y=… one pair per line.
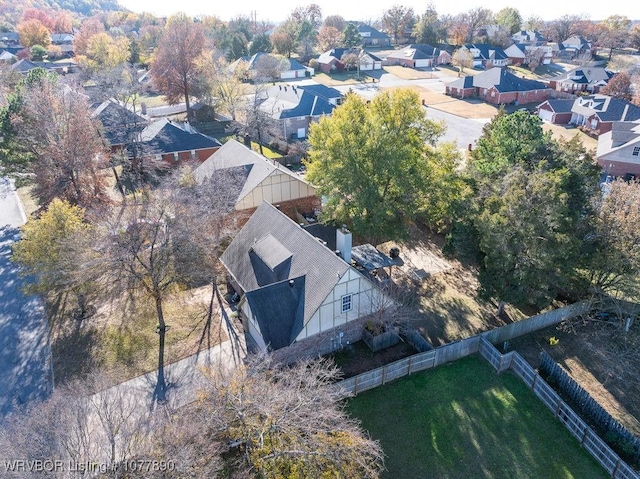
x=369, y=161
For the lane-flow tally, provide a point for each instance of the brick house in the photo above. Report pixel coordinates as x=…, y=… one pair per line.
x=498, y=86
x=618, y=151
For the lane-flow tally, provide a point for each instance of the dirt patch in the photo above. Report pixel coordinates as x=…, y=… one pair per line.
x=121, y=340
x=357, y=358
x=599, y=356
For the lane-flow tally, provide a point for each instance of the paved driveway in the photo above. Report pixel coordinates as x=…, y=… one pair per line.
x=25, y=369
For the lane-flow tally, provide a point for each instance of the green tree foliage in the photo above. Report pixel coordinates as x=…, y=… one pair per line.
x=509, y=18
x=369, y=162
x=529, y=213
x=429, y=28
x=44, y=252
x=260, y=43
x=350, y=36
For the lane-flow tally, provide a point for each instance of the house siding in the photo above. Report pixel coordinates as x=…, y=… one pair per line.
x=277, y=188
x=365, y=299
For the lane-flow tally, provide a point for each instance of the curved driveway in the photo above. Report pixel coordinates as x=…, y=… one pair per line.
x=25, y=369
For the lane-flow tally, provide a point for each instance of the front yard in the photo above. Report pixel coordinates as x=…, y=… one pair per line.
x=462, y=420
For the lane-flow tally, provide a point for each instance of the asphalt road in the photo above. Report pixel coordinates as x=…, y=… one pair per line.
x=25, y=369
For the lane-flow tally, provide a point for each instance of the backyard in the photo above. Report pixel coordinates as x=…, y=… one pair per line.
x=462, y=420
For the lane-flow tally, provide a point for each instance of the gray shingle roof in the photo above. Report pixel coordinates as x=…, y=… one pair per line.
x=505, y=81
x=279, y=310
x=233, y=154
x=164, y=136
x=320, y=266
x=607, y=108
x=119, y=123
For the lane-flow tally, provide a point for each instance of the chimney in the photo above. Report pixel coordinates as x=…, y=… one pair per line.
x=343, y=243
x=247, y=140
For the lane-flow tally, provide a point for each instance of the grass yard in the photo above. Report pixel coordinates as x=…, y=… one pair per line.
x=462, y=420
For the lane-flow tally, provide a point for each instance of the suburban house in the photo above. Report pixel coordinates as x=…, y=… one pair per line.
x=295, y=107
x=332, y=60
x=618, y=151
x=271, y=67
x=599, y=112
x=529, y=37
x=255, y=179
x=372, y=37
x=556, y=111
x=7, y=57
x=120, y=125
x=10, y=41
x=64, y=41
x=574, y=47
x=175, y=142
x=499, y=86
x=24, y=66
x=487, y=56
x=294, y=291
x=520, y=53
x=583, y=79
x=419, y=56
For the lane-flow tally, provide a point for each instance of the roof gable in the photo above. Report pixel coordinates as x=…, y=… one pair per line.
x=320, y=267
x=164, y=136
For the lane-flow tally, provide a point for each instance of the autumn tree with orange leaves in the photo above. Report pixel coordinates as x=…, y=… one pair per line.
x=174, y=69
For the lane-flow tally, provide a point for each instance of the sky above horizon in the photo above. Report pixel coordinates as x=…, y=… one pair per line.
x=372, y=10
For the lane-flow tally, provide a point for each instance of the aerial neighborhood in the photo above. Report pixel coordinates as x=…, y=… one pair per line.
x=405, y=247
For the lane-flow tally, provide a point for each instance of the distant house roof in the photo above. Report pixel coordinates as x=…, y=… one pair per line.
x=499, y=78
x=588, y=76
x=164, y=136
x=528, y=36
x=575, y=42
x=606, y=108
x=61, y=38
x=273, y=260
x=119, y=123
x=484, y=51
x=416, y=52
x=253, y=62
x=6, y=56
x=367, y=31
x=303, y=100
x=337, y=54
x=25, y=66
x=560, y=106
x=250, y=166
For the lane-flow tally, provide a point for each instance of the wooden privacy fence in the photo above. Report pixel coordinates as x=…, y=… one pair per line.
x=589, y=407
x=610, y=461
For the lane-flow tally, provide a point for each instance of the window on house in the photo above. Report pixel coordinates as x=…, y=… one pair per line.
x=346, y=302
x=193, y=154
x=636, y=151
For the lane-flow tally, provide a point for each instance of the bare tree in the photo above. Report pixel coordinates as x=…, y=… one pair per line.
x=64, y=140
x=86, y=427
x=144, y=247
x=272, y=419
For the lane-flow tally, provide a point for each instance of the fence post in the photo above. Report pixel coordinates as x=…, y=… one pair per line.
x=535, y=380
x=410, y=364
x=355, y=386
x=615, y=469
x=384, y=374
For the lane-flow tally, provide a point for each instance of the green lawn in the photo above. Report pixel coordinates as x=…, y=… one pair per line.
x=463, y=421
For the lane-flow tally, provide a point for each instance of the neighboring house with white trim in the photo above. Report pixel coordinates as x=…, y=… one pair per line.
x=618, y=151
x=256, y=179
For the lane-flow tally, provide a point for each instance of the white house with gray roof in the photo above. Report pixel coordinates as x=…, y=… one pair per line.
x=258, y=179
x=292, y=286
